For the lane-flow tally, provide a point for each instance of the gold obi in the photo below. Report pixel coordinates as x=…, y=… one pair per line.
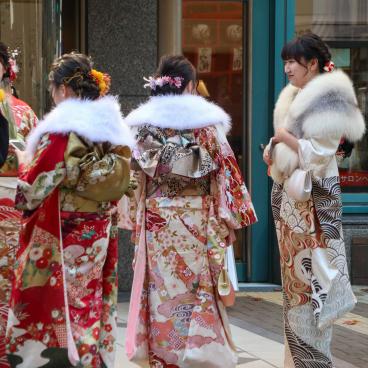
x=96, y=172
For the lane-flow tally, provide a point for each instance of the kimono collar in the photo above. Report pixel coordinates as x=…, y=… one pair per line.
x=98, y=121
x=179, y=112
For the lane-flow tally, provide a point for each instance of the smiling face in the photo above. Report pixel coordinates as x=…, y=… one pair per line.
x=299, y=74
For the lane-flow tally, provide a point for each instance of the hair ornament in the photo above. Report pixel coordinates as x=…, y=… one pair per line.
x=102, y=80
x=74, y=76
x=12, y=68
x=161, y=81
x=329, y=66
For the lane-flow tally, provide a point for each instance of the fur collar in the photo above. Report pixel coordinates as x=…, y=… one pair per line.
x=98, y=121
x=179, y=112
x=325, y=106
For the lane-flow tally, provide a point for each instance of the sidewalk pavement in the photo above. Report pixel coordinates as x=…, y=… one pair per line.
x=256, y=324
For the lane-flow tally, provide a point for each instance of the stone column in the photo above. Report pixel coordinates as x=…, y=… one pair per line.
x=122, y=38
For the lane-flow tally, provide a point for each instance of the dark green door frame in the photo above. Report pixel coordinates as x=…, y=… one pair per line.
x=271, y=24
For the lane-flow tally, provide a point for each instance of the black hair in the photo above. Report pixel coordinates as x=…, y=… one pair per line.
x=74, y=70
x=4, y=59
x=307, y=46
x=174, y=66
x=14, y=91
x=345, y=148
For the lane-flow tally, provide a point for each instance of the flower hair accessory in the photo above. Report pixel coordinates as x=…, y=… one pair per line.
x=161, y=81
x=102, y=80
x=329, y=66
x=12, y=69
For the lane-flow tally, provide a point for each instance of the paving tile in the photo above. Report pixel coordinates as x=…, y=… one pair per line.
x=256, y=364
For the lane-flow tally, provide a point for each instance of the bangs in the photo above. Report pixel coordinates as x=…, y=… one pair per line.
x=293, y=50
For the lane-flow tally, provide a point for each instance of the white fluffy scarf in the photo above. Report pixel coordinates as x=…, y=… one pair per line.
x=179, y=112
x=328, y=101
x=98, y=121
x=326, y=106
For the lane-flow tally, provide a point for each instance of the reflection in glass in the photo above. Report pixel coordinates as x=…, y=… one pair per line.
x=212, y=39
x=344, y=26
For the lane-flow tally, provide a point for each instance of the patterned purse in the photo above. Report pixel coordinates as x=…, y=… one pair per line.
x=225, y=287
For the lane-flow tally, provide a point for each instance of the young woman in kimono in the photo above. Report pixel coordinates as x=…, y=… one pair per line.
x=190, y=198
x=313, y=113
x=75, y=167
x=20, y=119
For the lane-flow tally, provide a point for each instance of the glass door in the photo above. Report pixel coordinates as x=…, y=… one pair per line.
x=213, y=40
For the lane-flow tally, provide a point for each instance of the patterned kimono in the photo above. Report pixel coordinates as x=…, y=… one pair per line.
x=63, y=303
x=314, y=271
x=190, y=197
x=21, y=120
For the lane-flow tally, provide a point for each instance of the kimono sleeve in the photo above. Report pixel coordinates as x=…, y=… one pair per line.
x=316, y=153
x=128, y=204
x=46, y=171
x=234, y=203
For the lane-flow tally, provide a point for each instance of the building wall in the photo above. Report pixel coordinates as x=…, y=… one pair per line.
x=356, y=246
x=123, y=40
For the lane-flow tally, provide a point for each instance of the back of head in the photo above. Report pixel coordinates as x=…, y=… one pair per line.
x=4, y=59
x=172, y=76
x=307, y=46
x=75, y=71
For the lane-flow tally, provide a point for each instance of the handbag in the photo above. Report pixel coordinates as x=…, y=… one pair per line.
x=299, y=184
x=225, y=287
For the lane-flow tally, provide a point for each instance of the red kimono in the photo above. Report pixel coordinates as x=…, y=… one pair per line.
x=64, y=297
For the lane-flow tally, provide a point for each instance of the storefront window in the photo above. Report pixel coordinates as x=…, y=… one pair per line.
x=212, y=39
x=31, y=29
x=344, y=26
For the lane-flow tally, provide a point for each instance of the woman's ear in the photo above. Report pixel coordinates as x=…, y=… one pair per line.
x=189, y=88
x=68, y=91
x=62, y=91
x=314, y=67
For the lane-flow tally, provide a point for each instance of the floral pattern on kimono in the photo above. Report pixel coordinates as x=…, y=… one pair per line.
x=21, y=120
x=63, y=303
x=176, y=318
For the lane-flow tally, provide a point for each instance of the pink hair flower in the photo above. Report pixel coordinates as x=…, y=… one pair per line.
x=161, y=81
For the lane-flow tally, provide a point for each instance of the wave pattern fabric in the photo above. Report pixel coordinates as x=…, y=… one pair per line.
x=314, y=273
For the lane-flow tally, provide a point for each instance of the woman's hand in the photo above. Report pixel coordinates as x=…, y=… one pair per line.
x=23, y=157
x=282, y=135
x=266, y=156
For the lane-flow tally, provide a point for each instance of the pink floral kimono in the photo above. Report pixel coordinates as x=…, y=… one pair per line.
x=190, y=197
